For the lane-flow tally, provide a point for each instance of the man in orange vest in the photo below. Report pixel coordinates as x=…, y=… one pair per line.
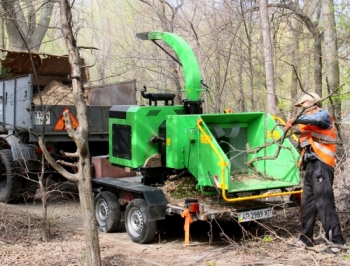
x=318, y=143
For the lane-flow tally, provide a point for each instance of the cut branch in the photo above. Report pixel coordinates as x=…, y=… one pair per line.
x=69, y=154
x=279, y=141
x=54, y=164
x=73, y=165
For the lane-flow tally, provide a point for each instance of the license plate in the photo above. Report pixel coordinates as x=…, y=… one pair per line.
x=252, y=215
x=39, y=117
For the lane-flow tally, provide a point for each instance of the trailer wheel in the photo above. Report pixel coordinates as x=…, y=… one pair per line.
x=107, y=211
x=139, y=228
x=10, y=183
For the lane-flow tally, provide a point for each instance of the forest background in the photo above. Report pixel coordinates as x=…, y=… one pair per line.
x=226, y=37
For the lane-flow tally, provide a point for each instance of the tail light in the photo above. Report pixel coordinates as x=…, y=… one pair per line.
x=192, y=205
x=38, y=150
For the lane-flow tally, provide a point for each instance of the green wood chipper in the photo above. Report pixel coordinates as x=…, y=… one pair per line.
x=228, y=153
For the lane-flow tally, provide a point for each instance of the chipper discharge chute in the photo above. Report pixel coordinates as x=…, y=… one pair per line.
x=226, y=153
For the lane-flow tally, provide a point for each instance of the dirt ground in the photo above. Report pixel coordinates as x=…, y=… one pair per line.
x=212, y=243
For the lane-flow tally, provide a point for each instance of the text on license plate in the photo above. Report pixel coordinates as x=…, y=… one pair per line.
x=254, y=215
x=39, y=117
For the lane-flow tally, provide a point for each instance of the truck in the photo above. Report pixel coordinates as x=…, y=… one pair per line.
x=23, y=118
x=231, y=157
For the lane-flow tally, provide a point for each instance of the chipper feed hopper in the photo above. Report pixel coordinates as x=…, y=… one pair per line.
x=226, y=153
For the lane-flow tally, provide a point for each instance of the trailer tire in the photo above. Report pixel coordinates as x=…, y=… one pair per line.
x=107, y=211
x=139, y=228
x=10, y=183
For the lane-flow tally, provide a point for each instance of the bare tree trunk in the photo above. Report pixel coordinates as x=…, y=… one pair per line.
x=247, y=25
x=270, y=85
x=81, y=136
x=90, y=225
x=331, y=55
x=24, y=24
x=318, y=64
x=241, y=97
x=44, y=206
x=318, y=54
x=296, y=31
x=312, y=26
x=2, y=29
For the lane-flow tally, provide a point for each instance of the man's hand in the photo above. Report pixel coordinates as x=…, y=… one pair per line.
x=289, y=124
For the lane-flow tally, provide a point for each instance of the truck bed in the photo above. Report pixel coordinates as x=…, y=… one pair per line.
x=21, y=111
x=97, y=118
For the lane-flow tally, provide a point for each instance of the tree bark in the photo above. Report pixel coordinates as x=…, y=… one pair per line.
x=318, y=52
x=318, y=64
x=269, y=70
x=331, y=55
x=296, y=31
x=89, y=220
x=23, y=27
x=81, y=138
x=241, y=97
x=2, y=29
x=248, y=29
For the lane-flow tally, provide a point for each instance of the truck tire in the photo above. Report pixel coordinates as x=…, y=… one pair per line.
x=139, y=228
x=107, y=211
x=10, y=183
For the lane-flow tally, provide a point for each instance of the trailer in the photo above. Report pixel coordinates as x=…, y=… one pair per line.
x=227, y=154
x=24, y=117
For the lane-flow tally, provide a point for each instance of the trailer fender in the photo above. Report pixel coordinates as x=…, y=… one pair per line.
x=154, y=197
x=156, y=202
x=20, y=151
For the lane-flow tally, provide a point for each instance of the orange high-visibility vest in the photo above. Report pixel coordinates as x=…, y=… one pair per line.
x=323, y=141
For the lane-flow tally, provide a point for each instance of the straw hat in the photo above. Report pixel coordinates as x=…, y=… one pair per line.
x=311, y=96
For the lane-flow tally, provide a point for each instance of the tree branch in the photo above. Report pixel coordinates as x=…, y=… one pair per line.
x=73, y=165
x=54, y=164
x=71, y=155
x=280, y=140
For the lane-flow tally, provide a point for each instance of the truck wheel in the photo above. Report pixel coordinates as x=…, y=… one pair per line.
x=107, y=211
x=10, y=183
x=139, y=228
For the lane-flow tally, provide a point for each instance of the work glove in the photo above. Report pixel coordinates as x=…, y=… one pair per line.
x=289, y=124
x=228, y=111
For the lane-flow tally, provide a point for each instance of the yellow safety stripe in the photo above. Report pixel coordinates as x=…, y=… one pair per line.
x=223, y=166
